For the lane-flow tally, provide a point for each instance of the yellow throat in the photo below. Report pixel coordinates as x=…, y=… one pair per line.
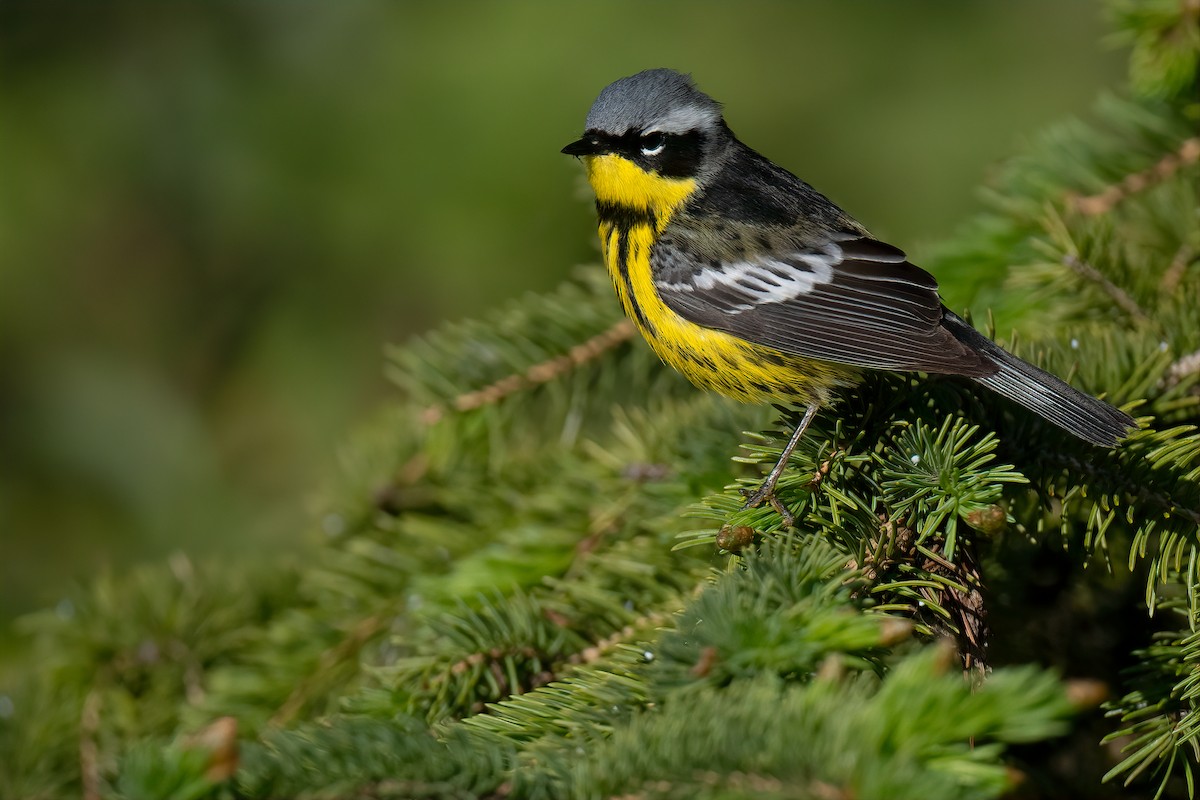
x=619, y=181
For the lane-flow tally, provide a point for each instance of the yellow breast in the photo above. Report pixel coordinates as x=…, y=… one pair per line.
x=709, y=358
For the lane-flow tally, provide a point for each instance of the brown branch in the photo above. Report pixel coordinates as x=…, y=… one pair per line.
x=590, y=654
x=219, y=741
x=1101, y=203
x=539, y=373
x=593, y=653
x=968, y=610
x=1175, y=271
x=365, y=630
x=89, y=750
x=1116, y=293
x=897, y=544
x=390, y=497
x=490, y=657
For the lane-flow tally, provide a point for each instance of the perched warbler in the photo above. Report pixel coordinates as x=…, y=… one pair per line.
x=753, y=284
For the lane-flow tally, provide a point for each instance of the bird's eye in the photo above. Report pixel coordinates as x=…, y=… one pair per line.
x=653, y=143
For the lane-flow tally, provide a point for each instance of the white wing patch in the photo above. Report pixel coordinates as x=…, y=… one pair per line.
x=762, y=280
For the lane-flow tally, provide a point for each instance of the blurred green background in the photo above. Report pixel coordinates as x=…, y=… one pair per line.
x=213, y=215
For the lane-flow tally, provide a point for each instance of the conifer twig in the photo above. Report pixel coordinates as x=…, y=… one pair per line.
x=962, y=598
x=1118, y=295
x=971, y=613
x=1101, y=203
x=365, y=630
x=1176, y=270
x=89, y=755
x=1135, y=489
x=539, y=373
x=587, y=655
x=593, y=653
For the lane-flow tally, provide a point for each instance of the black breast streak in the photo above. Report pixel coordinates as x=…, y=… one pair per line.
x=635, y=307
x=624, y=217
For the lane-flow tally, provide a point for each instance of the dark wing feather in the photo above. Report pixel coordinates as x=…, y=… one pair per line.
x=857, y=301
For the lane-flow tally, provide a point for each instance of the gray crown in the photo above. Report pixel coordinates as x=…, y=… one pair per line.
x=653, y=100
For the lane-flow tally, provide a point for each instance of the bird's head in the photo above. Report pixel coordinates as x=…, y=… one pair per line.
x=649, y=139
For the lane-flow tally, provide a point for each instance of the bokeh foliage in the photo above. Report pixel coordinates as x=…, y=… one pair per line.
x=537, y=581
x=212, y=214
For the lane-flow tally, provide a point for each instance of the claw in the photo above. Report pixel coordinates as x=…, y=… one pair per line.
x=789, y=521
x=766, y=494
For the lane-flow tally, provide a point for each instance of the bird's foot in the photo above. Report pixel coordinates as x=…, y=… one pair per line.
x=766, y=494
x=766, y=491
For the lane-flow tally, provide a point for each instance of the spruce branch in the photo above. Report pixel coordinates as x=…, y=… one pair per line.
x=1115, y=293
x=347, y=752
x=346, y=650
x=935, y=478
x=1177, y=269
x=89, y=749
x=1159, y=730
x=835, y=734
x=1165, y=40
x=504, y=646
x=1103, y=202
x=639, y=627
x=541, y=372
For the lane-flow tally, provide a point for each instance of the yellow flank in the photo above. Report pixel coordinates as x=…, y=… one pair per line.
x=709, y=358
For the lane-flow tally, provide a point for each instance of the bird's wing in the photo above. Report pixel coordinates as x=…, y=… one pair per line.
x=853, y=301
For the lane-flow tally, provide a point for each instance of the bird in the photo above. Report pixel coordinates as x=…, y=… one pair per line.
x=755, y=285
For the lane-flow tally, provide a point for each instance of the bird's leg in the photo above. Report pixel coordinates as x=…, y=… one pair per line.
x=766, y=491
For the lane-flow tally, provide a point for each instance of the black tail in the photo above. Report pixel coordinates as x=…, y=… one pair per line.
x=1042, y=393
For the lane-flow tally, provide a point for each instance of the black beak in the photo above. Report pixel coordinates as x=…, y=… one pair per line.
x=587, y=146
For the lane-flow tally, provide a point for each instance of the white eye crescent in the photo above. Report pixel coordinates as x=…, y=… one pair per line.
x=653, y=144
